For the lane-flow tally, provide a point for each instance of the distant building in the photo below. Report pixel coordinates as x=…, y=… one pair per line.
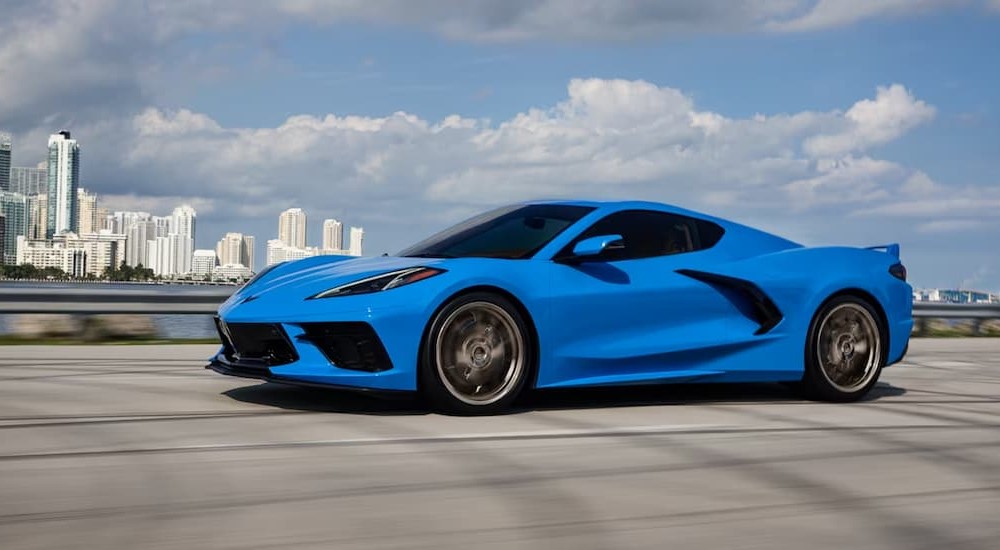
x=14, y=208
x=357, y=237
x=6, y=146
x=77, y=255
x=278, y=251
x=43, y=254
x=182, y=229
x=247, y=256
x=203, y=262
x=104, y=250
x=86, y=212
x=30, y=181
x=138, y=232
x=333, y=235
x=955, y=296
x=37, y=215
x=231, y=271
x=64, y=180
x=292, y=228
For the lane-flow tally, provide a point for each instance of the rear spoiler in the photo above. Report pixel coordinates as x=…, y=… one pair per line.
x=890, y=249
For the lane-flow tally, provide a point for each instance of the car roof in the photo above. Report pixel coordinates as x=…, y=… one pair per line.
x=614, y=206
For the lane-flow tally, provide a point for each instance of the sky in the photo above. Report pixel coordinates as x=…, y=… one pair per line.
x=830, y=122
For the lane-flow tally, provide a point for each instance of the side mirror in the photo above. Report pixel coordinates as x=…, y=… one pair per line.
x=594, y=246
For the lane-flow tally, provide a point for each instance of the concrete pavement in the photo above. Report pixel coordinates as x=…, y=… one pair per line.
x=138, y=447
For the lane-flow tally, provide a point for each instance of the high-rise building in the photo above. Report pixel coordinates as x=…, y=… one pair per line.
x=182, y=224
x=203, y=262
x=64, y=180
x=247, y=252
x=37, y=215
x=230, y=248
x=86, y=212
x=6, y=144
x=29, y=181
x=101, y=220
x=236, y=249
x=292, y=227
x=138, y=233
x=333, y=235
x=357, y=236
x=14, y=208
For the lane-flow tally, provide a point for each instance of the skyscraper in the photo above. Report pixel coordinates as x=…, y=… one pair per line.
x=6, y=144
x=29, y=181
x=357, y=235
x=230, y=249
x=64, y=180
x=86, y=212
x=182, y=222
x=37, y=215
x=247, y=254
x=292, y=228
x=236, y=249
x=14, y=208
x=333, y=235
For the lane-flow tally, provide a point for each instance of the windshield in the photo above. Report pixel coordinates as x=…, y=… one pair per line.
x=512, y=232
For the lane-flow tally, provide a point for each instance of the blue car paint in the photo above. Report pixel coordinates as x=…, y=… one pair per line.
x=597, y=323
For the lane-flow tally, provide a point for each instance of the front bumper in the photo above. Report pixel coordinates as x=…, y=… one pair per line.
x=367, y=350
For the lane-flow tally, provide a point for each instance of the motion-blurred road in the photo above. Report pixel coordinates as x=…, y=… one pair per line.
x=110, y=447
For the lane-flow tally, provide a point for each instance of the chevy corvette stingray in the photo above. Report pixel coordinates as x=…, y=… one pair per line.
x=569, y=293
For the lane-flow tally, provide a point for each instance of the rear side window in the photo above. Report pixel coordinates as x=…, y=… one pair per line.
x=648, y=233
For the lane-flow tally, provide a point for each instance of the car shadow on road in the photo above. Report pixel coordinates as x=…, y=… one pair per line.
x=339, y=401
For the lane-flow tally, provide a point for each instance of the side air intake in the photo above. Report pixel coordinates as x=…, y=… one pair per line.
x=763, y=310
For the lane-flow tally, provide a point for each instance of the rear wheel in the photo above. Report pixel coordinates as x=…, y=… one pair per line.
x=845, y=352
x=476, y=356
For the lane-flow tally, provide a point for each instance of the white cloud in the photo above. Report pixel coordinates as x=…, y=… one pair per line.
x=869, y=123
x=607, y=138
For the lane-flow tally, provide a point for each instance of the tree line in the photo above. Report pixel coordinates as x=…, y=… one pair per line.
x=120, y=273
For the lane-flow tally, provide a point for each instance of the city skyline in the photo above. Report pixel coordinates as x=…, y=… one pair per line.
x=59, y=223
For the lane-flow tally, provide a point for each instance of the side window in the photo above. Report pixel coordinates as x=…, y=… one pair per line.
x=647, y=233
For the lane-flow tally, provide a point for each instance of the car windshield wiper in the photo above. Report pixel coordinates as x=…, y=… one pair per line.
x=430, y=255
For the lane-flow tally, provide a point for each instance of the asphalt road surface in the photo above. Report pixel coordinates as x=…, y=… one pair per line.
x=110, y=447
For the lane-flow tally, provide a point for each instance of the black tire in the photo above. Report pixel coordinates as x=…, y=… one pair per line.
x=477, y=356
x=845, y=350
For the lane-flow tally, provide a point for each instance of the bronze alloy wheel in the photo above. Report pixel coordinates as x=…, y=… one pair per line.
x=477, y=356
x=846, y=351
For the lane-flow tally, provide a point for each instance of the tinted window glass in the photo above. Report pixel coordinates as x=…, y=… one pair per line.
x=512, y=232
x=648, y=233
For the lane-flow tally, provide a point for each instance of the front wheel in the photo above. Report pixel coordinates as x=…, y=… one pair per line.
x=845, y=351
x=476, y=356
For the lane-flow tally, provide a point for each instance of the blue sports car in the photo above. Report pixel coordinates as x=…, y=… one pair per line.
x=564, y=294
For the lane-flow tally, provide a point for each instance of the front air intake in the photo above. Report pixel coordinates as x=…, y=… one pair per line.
x=262, y=343
x=348, y=345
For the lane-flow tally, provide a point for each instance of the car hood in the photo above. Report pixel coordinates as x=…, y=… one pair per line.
x=304, y=278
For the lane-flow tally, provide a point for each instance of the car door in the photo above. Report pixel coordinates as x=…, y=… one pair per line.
x=627, y=315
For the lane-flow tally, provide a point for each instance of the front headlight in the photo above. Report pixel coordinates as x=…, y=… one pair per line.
x=378, y=283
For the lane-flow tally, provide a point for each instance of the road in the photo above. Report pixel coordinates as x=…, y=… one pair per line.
x=129, y=447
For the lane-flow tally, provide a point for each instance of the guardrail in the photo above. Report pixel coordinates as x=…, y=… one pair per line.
x=172, y=301
x=944, y=310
